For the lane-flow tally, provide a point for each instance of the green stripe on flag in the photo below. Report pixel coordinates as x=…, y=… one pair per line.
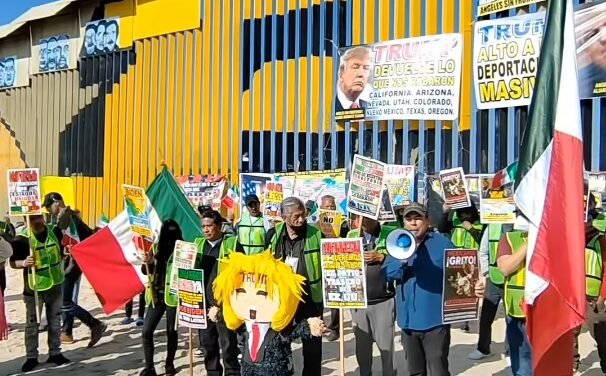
x=168, y=200
x=542, y=113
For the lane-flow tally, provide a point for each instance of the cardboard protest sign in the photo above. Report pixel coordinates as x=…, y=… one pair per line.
x=23, y=187
x=203, y=190
x=496, y=204
x=343, y=276
x=253, y=184
x=184, y=257
x=330, y=223
x=191, y=312
x=313, y=185
x=454, y=188
x=273, y=199
x=135, y=201
x=400, y=182
x=461, y=273
x=366, y=187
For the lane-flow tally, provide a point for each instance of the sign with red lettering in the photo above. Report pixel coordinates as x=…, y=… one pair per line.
x=191, y=312
x=343, y=276
x=23, y=186
x=461, y=273
x=405, y=79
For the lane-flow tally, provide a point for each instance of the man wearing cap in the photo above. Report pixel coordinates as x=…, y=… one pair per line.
x=419, y=279
x=250, y=229
x=74, y=230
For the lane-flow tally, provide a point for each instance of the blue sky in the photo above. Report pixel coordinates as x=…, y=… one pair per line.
x=12, y=9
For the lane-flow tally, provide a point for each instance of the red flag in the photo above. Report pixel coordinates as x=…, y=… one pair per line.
x=3, y=322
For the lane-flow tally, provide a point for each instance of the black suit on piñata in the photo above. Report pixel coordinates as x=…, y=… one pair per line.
x=274, y=357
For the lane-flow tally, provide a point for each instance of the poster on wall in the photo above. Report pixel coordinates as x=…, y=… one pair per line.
x=415, y=78
x=23, y=187
x=492, y=6
x=590, y=31
x=101, y=37
x=343, y=276
x=54, y=54
x=461, y=273
x=505, y=60
x=313, y=185
x=203, y=190
x=366, y=187
x=8, y=72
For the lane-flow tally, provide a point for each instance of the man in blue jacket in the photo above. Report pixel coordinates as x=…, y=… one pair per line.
x=419, y=296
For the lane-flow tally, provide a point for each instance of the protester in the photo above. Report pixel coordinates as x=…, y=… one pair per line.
x=298, y=244
x=328, y=203
x=595, y=288
x=216, y=339
x=6, y=251
x=250, y=228
x=47, y=256
x=74, y=230
x=494, y=288
x=376, y=322
x=425, y=339
x=160, y=268
x=511, y=260
x=128, y=312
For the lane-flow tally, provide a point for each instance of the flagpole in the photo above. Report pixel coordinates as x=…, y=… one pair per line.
x=341, y=343
x=191, y=354
x=33, y=270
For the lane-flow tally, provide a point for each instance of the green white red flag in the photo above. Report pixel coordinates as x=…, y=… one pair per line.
x=549, y=191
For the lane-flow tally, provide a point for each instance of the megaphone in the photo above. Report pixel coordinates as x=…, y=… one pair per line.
x=401, y=244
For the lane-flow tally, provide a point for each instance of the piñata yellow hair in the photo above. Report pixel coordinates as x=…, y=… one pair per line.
x=265, y=268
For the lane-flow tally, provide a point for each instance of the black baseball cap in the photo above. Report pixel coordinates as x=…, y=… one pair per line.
x=415, y=207
x=250, y=199
x=50, y=198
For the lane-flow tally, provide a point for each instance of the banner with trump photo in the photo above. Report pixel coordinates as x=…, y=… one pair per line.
x=505, y=60
x=405, y=79
x=590, y=30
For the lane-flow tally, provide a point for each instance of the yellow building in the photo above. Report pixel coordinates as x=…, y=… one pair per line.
x=221, y=86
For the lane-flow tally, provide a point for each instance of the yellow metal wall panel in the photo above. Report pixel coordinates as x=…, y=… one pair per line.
x=178, y=105
x=187, y=103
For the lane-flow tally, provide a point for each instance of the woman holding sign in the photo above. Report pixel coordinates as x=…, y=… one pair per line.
x=164, y=301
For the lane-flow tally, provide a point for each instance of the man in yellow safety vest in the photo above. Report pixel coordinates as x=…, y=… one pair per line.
x=42, y=273
x=511, y=260
x=250, y=229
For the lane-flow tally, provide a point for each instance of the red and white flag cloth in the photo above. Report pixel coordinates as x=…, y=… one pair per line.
x=110, y=262
x=549, y=191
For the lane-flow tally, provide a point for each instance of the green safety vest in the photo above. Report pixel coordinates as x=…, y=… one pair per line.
x=593, y=267
x=380, y=243
x=494, y=235
x=461, y=238
x=251, y=234
x=514, y=284
x=49, y=267
x=311, y=257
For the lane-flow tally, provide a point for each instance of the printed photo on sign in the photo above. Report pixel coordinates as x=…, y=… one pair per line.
x=590, y=30
x=454, y=188
x=492, y=6
x=386, y=214
x=472, y=182
x=416, y=78
x=101, y=37
x=23, y=187
x=343, y=276
x=53, y=53
x=461, y=273
x=365, y=187
x=313, y=185
x=192, y=303
x=505, y=60
x=253, y=184
x=496, y=204
x=8, y=72
x=400, y=182
x=203, y=190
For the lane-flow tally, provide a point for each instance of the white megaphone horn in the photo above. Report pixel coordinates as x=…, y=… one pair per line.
x=401, y=244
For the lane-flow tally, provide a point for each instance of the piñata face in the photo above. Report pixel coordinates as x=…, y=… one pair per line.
x=253, y=302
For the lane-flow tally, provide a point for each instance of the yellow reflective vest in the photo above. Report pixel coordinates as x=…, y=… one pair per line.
x=514, y=284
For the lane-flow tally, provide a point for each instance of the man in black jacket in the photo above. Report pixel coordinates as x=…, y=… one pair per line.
x=74, y=230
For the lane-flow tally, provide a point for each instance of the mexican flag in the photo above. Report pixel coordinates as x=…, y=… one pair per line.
x=505, y=176
x=70, y=235
x=109, y=258
x=549, y=191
